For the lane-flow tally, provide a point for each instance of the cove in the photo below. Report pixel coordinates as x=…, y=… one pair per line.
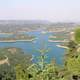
x=40, y=41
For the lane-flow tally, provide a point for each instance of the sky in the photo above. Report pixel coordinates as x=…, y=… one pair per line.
x=52, y=10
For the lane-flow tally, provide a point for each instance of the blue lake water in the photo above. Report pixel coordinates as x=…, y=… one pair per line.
x=32, y=47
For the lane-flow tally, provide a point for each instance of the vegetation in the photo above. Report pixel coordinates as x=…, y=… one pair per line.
x=24, y=37
x=21, y=68
x=59, y=36
x=20, y=37
x=77, y=35
x=37, y=71
x=15, y=56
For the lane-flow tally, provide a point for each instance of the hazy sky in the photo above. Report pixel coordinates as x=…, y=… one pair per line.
x=53, y=10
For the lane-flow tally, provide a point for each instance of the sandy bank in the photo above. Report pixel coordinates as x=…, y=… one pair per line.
x=58, y=41
x=62, y=46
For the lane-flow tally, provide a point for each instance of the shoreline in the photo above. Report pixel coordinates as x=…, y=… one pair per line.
x=16, y=40
x=26, y=40
x=7, y=41
x=62, y=46
x=7, y=33
x=57, y=41
x=59, y=30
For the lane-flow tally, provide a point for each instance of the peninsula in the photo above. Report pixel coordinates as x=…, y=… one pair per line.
x=20, y=37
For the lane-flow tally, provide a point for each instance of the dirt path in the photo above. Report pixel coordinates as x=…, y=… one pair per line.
x=5, y=61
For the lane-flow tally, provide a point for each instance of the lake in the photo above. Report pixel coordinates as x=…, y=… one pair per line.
x=32, y=47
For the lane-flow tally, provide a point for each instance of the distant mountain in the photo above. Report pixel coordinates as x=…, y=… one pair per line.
x=24, y=22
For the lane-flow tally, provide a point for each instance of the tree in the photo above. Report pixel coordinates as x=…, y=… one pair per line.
x=77, y=35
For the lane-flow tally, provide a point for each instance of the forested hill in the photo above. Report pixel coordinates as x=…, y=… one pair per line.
x=9, y=58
